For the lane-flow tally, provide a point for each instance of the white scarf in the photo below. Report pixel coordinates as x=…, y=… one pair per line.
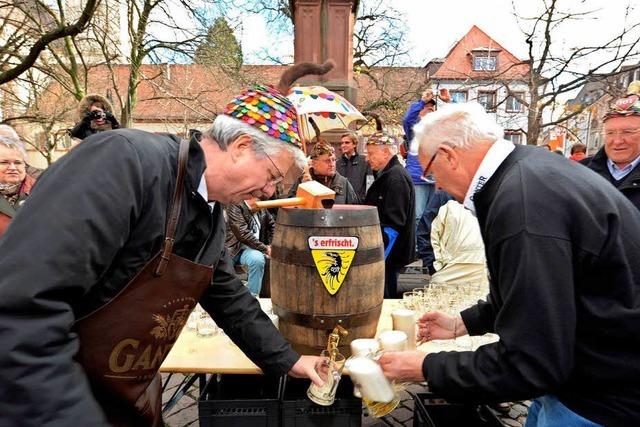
x=498, y=152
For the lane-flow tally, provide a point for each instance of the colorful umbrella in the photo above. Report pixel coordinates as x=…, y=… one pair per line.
x=327, y=109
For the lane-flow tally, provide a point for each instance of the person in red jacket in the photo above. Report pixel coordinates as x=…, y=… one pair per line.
x=578, y=152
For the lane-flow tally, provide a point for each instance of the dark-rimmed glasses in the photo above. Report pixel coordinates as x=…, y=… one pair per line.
x=425, y=174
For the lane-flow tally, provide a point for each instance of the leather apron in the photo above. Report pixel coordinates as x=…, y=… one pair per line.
x=124, y=342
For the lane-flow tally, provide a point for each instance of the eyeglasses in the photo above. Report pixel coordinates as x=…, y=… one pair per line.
x=278, y=179
x=425, y=174
x=6, y=163
x=622, y=132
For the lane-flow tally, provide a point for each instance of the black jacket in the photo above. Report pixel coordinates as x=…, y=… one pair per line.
x=240, y=224
x=629, y=185
x=355, y=169
x=393, y=194
x=562, y=252
x=345, y=195
x=95, y=218
x=83, y=129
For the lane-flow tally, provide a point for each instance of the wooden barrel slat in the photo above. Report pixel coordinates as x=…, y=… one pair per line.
x=297, y=286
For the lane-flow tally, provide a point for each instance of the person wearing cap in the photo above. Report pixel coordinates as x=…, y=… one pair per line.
x=564, y=284
x=393, y=194
x=352, y=165
x=119, y=241
x=15, y=182
x=618, y=160
x=322, y=168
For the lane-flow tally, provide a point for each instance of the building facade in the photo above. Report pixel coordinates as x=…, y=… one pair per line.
x=479, y=69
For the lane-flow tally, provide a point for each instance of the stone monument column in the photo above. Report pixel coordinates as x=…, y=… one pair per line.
x=323, y=29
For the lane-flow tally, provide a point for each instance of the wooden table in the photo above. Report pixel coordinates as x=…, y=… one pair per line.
x=199, y=356
x=218, y=355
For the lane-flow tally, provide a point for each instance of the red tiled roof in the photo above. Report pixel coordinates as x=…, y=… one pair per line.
x=458, y=62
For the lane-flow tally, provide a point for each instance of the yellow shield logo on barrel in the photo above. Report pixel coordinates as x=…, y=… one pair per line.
x=332, y=256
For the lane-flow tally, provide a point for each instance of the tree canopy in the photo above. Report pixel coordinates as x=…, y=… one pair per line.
x=220, y=47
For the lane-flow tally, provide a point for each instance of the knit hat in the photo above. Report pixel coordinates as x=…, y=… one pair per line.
x=268, y=109
x=627, y=106
x=321, y=148
x=382, y=138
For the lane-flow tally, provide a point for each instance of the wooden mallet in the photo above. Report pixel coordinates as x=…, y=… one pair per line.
x=310, y=195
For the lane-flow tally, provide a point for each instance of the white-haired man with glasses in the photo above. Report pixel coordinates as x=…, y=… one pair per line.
x=121, y=238
x=562, y=254
x=618, y=160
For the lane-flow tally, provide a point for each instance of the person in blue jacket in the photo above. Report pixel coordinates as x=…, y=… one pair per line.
x=424, y=187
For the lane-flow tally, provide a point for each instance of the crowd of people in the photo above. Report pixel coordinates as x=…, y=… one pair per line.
x=135, y=211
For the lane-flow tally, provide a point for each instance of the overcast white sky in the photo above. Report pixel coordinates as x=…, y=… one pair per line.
x=434, y=26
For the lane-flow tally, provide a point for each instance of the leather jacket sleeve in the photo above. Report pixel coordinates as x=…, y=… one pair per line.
x=351, y=198
x=270, y=225
x=240, y=227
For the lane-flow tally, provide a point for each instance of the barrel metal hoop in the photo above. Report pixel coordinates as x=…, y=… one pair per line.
x=320, y=218
x=328, y=321
x=304, y=257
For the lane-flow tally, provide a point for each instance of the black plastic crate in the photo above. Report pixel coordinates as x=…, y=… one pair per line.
x=299, y=411
x=241, y=400
x=431, y=411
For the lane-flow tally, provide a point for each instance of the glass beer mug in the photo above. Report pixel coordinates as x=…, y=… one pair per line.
x=329, y=370
x=378, y=394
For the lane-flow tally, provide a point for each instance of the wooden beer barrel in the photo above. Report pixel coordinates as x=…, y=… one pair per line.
x=310, y=255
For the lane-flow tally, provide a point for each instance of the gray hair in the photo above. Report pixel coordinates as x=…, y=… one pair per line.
x=6, y=130
x=226, y=129
x=459, y=125
x=14, y=143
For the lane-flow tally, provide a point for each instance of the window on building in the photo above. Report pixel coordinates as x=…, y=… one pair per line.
x=514, y=137
x=624, y=81
x=512, y=103
x=485, y=62
x=458, y=96
x=487, y=100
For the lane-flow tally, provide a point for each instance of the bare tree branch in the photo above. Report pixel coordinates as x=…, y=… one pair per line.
x=45, y=39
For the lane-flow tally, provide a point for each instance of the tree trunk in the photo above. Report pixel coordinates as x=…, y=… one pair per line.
x=534, y=116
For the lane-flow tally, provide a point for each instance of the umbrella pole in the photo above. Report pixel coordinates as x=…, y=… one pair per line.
x=304, y=128
x=342, y=121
